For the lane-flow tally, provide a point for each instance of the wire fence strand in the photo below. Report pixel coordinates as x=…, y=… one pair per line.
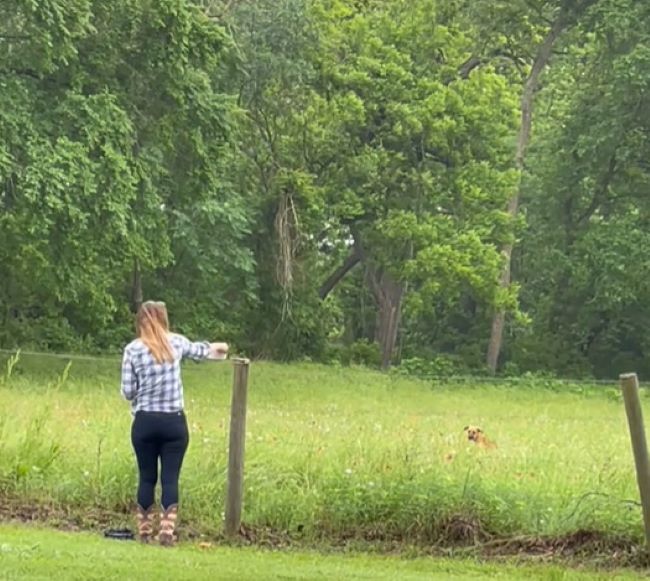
x=526, y=379
x=109, y=357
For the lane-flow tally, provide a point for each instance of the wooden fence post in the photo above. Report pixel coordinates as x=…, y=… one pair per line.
x=235, y=486
x=630, y=388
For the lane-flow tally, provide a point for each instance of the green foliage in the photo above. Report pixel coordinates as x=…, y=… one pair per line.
x=583, y=259
x=360, y=352
x=354, y=130
x=114, y=139
x=231, y=157
x=421, y=149
x=438, y=366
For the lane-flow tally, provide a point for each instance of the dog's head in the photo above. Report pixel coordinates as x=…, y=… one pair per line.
x=473, y=433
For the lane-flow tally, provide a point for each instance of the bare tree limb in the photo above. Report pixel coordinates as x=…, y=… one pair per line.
x=350, y=262
x=469, y=65
x=601, y=193
x=357, y=255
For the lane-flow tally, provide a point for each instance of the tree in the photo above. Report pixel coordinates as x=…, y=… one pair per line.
x=113, y=135
x=419, y=167
x=582, y=264
x=507, y=21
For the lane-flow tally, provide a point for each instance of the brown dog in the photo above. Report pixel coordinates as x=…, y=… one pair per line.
x=476, y=435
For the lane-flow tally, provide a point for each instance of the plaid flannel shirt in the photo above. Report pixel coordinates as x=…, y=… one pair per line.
x=157, y=387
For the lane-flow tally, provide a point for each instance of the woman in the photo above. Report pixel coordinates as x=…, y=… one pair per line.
x=151, y=381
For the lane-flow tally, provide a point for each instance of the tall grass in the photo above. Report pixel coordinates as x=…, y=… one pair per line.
x=333, y=451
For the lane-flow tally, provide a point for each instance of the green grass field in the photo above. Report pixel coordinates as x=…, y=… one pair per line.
x=333, y=453
x=28, y=553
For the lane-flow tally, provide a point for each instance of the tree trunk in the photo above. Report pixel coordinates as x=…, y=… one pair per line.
x=389, y=294
x=136, y=287
x=523, y=138
x=387, y=291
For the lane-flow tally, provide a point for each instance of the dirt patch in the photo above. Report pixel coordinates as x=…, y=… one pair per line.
x=584, y=546
x=60, y=517
x=455, y=536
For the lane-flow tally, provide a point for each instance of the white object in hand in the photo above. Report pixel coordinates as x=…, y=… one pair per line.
x=218, y=351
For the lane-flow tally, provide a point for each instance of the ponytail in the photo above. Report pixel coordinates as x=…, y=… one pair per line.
x=152, y=326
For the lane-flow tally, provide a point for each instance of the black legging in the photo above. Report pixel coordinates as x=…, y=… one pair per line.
x=159, y=435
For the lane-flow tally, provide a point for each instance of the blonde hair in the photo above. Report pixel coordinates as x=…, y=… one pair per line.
x=152, y=325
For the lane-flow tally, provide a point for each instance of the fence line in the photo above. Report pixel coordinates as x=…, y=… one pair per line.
x=108, y=357
x=510, y=379
x=487, y=379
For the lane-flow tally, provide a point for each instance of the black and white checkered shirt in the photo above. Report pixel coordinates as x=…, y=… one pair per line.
x=157, y=387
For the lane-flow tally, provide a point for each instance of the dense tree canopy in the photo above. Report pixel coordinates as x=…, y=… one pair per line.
x=333, y=179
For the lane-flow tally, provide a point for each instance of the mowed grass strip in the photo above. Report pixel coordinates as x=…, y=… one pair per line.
x=334, y=452
x=29, y=553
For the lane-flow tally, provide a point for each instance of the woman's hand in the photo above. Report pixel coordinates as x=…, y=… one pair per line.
x=218, y=350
